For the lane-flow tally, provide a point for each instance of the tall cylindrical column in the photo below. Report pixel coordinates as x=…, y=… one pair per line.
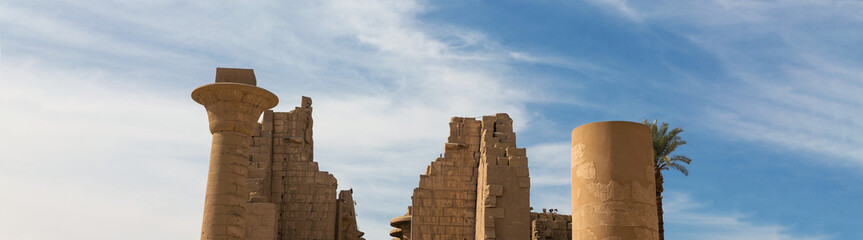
x=233, y=105
x=613, y=187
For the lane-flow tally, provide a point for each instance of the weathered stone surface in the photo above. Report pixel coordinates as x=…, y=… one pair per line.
x=478, y=189
x=503, y=205
x=401, y=226
x=305, y=195
x=550, y=226
x=263, y=183
x=612, y=196
x=346, y=223
x=444, y=204
x=236, y=75
x=261, y=221
x=233, y=110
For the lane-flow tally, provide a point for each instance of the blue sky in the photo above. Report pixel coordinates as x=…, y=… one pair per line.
x=102, y=141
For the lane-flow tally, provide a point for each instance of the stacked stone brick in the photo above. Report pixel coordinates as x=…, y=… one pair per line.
x=550, y=226
x=233, y=106
x=444, y=204
x=479, y=189
x=503, y=187
x=264, y=185
x=347, y=217
x=279, y=193
x=261, y=219
x=282, y=173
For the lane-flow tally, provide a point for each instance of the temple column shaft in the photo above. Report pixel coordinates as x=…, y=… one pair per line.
x=613, y=187
x=233, y=105
x=226, y=186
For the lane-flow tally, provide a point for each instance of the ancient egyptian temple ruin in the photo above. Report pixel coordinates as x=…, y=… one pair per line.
x=263, y=183
x=480, y=188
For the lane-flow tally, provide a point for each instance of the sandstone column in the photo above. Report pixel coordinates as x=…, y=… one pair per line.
x=233, y=105
x=613, y=188
x=401, y=227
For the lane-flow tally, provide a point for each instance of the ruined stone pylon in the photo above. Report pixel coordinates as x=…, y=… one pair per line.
x=233, y=105
x=613, y=187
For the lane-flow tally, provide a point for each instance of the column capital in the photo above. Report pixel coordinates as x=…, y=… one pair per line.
x=234, y=106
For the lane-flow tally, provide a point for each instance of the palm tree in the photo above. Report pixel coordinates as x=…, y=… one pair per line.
x=665, y=142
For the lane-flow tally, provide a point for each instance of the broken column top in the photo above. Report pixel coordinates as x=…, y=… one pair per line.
x=236, y=75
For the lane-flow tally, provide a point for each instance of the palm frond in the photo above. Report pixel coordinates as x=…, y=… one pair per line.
x=665, y=142
x=680, y=168
x=681, y=158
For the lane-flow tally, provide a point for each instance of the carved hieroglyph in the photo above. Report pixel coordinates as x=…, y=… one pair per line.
x=612, y=182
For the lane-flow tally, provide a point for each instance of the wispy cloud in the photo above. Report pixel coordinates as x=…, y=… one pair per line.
x=103, y=114
x=102, y=118
x=685, y=216
x=550, y=176
x=78, y=151
x=621, y=7
x=801, y=92
x=688, y=218
x=792, y=67
x=549, y=163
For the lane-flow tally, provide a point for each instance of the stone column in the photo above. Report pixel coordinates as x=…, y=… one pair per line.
x=401, y=227
x=233, y=105
x=613, y=187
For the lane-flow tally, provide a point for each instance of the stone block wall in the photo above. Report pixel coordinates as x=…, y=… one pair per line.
x=503, y=187
x=444, y=204
x=550, y=226
x=260, y=165
x=282, y=173
x=347, y=217
x=478, y=189
x=261, y=221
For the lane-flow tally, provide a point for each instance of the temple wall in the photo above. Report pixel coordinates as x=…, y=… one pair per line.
x=261, y=161
x=478, y=189
x=444, y=204
x=503, y=187
x=346, y=221
x=550, y=226
x=261, y=221
x=282, y=173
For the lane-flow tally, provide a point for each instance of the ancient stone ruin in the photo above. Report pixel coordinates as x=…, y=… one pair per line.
x=479, y=189
x=550, y=225
x=264, y=185
x=613, y=192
